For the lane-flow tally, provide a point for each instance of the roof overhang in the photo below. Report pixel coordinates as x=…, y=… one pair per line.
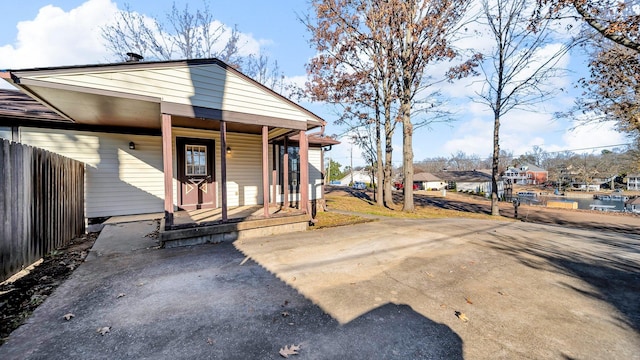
x=86, y=105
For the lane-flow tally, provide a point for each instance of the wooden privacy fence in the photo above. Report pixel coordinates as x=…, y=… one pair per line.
x=41, y=204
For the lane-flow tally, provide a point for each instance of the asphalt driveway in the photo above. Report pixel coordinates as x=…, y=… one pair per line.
x=393, y=289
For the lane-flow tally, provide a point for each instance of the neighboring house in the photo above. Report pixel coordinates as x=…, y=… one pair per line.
x=633, y=182
x=582, y=186
x=357, y=175
x=428, y=181
x=170, y=135
x=474, y=181
x=633, y=205
x=525, y=175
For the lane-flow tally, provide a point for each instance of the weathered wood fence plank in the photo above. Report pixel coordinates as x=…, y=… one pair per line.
x=41, y=204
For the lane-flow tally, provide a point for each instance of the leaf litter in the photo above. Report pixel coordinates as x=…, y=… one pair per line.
x=289, y=350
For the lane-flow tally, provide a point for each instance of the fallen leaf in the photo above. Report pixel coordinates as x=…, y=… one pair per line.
x=462, y=316
x=68, y=316
x=121, y=295
x=468, y=300
x=289, y=350
x=286, y=302
x=104, y=330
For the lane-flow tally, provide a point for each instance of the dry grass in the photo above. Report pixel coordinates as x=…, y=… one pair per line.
x=365, y=206
x=347, y=202
x=331, y=219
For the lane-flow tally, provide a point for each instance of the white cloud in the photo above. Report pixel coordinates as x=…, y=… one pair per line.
x=55, y=37
x=591, y=135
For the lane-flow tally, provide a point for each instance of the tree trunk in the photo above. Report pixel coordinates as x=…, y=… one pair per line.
x=407, y=154
x=495, y=209
x=379, y=169
x=388, y=159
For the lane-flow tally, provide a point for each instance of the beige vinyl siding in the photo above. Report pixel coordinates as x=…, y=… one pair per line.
x=119, y=181
x=315, y=173
x=315, y=176
x=244, y=165
x=206, y=85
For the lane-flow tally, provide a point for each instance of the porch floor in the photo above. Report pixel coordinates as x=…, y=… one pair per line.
x=205, y=225
x=240, y=213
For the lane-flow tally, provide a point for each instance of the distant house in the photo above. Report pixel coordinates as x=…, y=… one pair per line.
x=526, y=175
x=357, y=175
x=633, y=205
x=582, y=186
x=633, y=182
x=428, y=181
x=474, y=181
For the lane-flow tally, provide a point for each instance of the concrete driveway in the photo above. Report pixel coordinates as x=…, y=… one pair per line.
x=392, y=289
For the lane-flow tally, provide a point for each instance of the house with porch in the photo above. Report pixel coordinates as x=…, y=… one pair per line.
x=525, y=175
x=471, y=181
x=214, y=152
x=633, y=182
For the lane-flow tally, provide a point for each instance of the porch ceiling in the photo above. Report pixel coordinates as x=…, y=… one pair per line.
x=104, y=109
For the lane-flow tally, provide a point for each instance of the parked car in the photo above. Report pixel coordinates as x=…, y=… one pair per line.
x=400, y=186
x=359, y=185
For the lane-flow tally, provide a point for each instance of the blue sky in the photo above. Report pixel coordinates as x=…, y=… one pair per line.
x=66, y=32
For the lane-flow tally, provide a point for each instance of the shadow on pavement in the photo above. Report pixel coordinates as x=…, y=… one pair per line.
x=206, y=302
x=611, y=273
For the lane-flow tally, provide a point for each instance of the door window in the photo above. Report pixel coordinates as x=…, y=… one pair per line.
x=195, y=160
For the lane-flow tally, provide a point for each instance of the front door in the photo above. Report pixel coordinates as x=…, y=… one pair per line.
x=196, y=173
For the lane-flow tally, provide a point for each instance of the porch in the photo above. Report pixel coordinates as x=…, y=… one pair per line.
x=192, y=227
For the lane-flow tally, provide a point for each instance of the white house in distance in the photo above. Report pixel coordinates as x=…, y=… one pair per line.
x=175, y=136
x=473, y=181
x=356, y=175
x=428, y=181
x=633, y=182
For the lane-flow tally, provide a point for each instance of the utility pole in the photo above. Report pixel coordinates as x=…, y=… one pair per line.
x=351, y=164
x=328, y=181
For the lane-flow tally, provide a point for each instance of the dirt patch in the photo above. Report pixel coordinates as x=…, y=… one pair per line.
x=20, y=297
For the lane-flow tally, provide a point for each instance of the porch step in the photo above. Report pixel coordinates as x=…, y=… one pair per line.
x=231, y=231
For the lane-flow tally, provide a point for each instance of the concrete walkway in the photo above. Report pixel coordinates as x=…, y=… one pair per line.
x=393, y=289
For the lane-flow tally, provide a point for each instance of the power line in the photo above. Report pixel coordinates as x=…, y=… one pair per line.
x=512, y=156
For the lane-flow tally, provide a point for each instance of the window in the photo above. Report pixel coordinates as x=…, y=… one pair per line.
x=294, y=165
x=195, y=160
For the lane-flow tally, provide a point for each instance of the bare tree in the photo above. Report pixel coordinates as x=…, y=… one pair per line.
x=353, y=71
x=515, y=71
x=185, y=34
x=381, y=50
x=188, y=34
x=614, y=29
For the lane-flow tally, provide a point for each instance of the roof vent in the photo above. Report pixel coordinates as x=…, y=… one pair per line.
x=133, y=57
